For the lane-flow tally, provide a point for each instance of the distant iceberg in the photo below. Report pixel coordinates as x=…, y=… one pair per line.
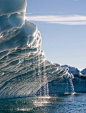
x=84, y=71
x=23, y=66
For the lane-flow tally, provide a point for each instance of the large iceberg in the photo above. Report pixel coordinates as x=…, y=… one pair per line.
x=23, y=66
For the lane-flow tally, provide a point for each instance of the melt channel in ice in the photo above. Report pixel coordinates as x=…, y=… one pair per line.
x=23, y=66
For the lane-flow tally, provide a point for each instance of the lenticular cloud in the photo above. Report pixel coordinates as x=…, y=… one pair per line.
x=23, y=66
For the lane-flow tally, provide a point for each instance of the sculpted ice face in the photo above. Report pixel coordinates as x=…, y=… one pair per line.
x=8, y=7
x=13, y=12
x=22, y=63
x=13, y=25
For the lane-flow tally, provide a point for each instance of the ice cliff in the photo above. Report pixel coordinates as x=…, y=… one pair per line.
x=23, y=66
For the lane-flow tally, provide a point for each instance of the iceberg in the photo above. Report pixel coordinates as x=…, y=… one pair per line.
x=84, y=71
x=69, y=86
x=23, y=65
x=24, y=69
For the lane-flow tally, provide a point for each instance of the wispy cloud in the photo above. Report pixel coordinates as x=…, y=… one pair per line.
x=75, y=0
x=60, y=19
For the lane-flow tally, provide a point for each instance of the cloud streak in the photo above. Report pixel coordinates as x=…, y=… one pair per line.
x=60, y=19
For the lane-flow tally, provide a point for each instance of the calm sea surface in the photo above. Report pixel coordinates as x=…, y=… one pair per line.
x=46, y=104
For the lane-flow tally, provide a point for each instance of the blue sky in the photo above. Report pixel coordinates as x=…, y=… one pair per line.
x=62, y=24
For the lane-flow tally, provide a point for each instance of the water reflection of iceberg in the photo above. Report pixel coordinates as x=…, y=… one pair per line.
x=22, y=63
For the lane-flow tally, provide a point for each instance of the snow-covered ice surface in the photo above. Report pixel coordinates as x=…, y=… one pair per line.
x=22, y=63
x=72, y=70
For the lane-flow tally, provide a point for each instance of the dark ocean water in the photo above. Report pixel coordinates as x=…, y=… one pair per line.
x=50, y=104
